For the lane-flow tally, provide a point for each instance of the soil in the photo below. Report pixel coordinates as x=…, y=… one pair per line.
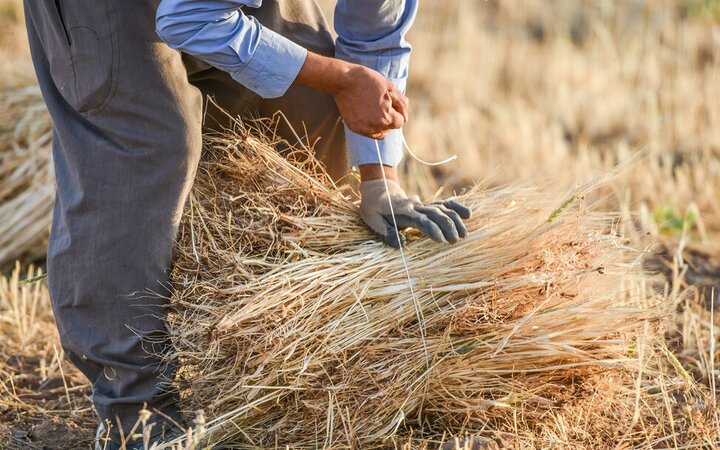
x=38, y=413
x=702, y=274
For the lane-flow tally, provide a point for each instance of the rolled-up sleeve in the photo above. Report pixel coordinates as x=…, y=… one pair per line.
x=372, y=33
x=221, y=34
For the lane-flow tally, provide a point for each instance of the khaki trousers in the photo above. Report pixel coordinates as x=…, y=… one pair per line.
x=127, y=114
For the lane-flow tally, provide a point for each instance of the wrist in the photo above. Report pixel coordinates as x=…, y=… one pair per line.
x=326, y=74
x=369, y=172
x=343, y=76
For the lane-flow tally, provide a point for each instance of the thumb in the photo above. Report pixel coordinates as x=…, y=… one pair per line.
x=396, y=120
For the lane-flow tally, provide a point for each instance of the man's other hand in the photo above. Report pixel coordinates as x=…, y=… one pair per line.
x=441, y=221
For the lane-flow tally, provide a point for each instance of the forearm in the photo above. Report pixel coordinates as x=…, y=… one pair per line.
x=329, y=75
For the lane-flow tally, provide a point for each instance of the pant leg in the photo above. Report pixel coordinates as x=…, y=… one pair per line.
x=313, y=115
x=126, y=145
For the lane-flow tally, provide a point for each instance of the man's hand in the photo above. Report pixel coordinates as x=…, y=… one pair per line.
x=369, y=103
x=441, y=221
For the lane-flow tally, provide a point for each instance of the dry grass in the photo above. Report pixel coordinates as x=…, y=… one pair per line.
x=295, y=328
x=520, y=91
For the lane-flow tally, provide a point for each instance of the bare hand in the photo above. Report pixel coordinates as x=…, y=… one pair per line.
x=370, y=104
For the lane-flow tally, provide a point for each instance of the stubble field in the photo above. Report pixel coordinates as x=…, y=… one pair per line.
x=525, y=93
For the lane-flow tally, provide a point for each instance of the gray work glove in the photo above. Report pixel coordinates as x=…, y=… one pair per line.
x=440, y=221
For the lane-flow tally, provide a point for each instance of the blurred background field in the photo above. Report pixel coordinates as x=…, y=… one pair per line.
x=531, y=92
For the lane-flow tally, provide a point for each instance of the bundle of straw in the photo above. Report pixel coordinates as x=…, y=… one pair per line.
x=293, y=326
x=27, y=180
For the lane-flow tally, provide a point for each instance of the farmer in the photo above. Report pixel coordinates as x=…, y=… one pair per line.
x=128, y=113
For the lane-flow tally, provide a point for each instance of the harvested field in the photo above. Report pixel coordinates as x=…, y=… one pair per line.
x=44, y=400
x=537, y=99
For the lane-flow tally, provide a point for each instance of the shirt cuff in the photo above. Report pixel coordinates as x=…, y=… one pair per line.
x=400, y=83
x=362, y=150
x=274, y=66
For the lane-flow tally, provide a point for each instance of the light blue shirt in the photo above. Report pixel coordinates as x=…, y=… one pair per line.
x=370, y=33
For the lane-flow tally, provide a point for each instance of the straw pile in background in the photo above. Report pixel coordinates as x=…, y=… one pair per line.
x=294, y=327
x=27, y=183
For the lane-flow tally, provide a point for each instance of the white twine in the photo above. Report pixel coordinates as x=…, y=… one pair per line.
x=419, y=159
x=418, y=310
